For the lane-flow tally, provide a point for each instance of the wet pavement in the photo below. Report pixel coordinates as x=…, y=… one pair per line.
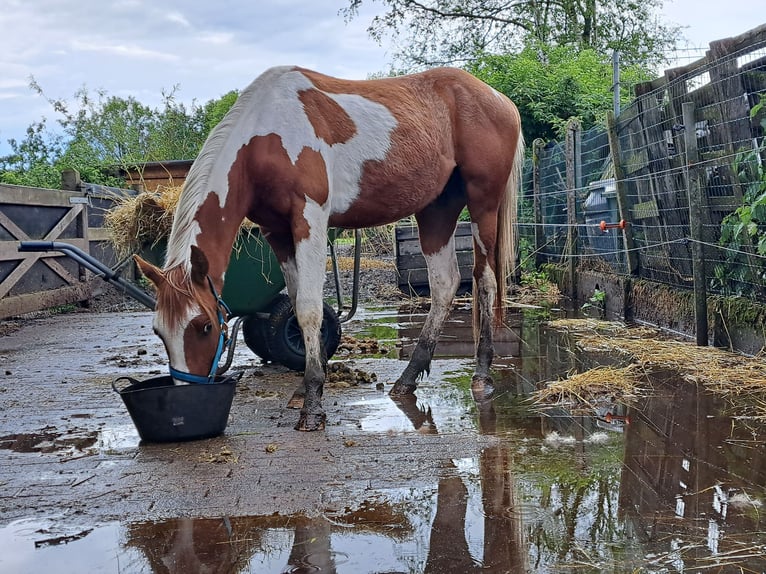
x=453, y=480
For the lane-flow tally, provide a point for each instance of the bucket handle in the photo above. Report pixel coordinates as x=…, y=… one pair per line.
x=131, y=380
x=236, y=375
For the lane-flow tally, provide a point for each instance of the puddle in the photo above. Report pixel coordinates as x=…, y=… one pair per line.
x=675, y=483
x=73, y=442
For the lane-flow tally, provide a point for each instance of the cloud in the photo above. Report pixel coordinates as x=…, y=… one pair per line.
x=123, y=50
x=177, y=18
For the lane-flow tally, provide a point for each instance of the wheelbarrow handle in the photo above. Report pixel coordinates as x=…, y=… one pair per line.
x=90, y=262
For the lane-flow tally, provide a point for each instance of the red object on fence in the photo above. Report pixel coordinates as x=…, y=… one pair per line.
x=604, y=225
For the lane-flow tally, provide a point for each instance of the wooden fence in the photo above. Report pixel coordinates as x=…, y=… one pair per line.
x=34, y=281
x=671, y=167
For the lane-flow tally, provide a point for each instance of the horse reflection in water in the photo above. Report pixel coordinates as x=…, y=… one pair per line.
x=300, y=152
x=504, y=546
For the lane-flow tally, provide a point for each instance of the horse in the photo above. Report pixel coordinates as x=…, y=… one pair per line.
x=300, y=152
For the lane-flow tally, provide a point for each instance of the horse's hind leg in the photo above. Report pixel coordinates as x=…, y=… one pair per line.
x=486, y=292
x=438, y=243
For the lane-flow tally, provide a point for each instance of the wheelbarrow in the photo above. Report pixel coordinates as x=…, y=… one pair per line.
x=253, y=291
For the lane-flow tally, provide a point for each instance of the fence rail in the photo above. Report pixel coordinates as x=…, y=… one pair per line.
x=35, y=281
x=676, y=165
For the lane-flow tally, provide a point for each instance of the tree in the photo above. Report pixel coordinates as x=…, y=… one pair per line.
x=29, y=160
x=454, y=32
x=100, y=132
x=550, y=85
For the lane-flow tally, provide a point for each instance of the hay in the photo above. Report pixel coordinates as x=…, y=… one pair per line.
x=719, y=370
x=722, y=372
x=598, y=326
x=602, y=384
x=144, y=219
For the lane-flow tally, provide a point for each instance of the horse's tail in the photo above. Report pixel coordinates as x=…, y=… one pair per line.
x=505, y=250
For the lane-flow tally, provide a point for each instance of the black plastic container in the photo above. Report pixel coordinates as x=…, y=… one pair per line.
x=164, y=412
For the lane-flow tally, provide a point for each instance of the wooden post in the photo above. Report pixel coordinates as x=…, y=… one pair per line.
x=537, y=147
x=573, y=162
x=622, y=195
x=70, y=180
x=694, y=190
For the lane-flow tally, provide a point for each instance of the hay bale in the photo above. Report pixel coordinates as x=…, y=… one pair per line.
x=141, y=220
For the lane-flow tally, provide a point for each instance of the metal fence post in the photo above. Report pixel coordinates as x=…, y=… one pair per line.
x=537, y=199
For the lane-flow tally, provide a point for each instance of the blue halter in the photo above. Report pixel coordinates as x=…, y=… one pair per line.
x=223, y=311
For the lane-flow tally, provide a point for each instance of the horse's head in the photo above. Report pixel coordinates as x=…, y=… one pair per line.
x=190, y=318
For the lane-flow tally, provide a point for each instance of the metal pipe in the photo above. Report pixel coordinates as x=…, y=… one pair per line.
x=232, y=343
x=355, y=284
x=93, y=264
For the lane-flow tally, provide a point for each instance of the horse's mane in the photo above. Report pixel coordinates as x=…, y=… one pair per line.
x=196, y=188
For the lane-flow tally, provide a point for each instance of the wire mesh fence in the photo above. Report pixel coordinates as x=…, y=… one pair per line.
x=684, y=166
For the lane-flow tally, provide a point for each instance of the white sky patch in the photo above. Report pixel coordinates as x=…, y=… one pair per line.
x=177, y=18
x=130, y=51
x=219, y=38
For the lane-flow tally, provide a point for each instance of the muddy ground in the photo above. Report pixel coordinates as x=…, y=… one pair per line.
x=68, y=446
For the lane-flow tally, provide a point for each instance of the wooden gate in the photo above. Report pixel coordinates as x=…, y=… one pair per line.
x=33, y=281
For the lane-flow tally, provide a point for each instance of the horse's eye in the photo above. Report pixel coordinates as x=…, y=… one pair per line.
x=207, y=328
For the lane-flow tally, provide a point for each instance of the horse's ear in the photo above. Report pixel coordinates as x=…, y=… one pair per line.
x=151, y=272
x=199, y=266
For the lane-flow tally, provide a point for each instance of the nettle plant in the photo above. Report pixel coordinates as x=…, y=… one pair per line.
x=743, y=232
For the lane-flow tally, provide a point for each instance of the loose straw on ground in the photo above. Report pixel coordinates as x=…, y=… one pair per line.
x=720, y=371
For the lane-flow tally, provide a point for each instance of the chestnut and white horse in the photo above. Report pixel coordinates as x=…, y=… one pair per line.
x=300, y=152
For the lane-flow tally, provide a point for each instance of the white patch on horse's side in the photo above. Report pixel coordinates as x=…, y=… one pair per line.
x=499, y=95
x=374, y=125
x=477, y=238
x=172, y=334
x=271, y=105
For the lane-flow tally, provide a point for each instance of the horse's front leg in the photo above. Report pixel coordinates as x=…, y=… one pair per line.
x=308, y=281
x=290, y=272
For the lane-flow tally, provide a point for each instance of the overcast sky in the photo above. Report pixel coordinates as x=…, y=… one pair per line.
x=206, y=48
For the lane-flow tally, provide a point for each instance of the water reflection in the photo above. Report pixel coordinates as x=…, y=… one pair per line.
x=692, y=485
x=672, y=484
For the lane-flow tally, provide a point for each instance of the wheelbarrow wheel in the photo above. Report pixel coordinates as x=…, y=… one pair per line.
x=285, y=338
x=255, y=332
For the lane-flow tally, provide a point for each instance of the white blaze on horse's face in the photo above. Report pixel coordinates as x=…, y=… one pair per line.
x=172, y=334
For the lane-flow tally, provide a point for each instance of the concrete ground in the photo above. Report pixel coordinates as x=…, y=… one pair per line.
x=69, y=448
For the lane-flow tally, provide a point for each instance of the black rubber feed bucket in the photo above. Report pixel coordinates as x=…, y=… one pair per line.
x=164, y=412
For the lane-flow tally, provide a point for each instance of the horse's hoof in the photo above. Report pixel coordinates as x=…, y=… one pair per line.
x=400, y=389
x=309, y=423
x=482, y=387
x=295, y=402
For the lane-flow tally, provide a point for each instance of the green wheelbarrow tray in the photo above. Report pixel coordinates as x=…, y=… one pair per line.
x=253, y=278
x=252, y=290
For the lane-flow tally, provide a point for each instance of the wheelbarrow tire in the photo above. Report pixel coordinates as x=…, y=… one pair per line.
x=255, y=332
x=285, y=340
